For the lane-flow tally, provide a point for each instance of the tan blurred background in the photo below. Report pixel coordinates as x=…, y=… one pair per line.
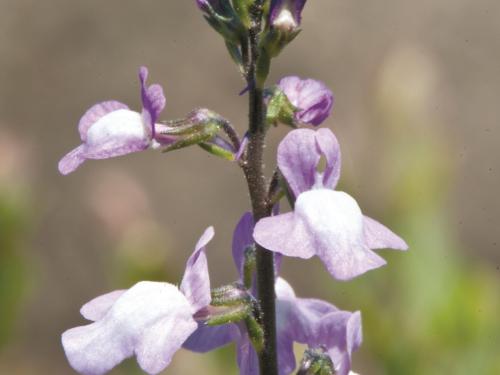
x=417, y=115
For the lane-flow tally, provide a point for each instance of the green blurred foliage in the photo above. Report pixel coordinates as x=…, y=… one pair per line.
x=12, y=264
x=432, y=310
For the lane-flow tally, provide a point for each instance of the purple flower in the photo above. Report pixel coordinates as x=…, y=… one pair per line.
x=286, y=14
x=324, y=222
x=151, y=320
x=298, y=320
x=110, y=128
x=313, y=99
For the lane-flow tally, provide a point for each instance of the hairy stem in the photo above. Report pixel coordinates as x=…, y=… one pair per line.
x=254, y=172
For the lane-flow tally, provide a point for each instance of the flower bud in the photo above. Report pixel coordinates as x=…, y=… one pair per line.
x=312, y=98
x=283, y=26
x=285, y=15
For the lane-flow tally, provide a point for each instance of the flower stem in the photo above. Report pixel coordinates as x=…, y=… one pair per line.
x=254, y=173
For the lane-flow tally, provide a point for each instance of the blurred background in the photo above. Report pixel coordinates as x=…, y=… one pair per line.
x=416, y=113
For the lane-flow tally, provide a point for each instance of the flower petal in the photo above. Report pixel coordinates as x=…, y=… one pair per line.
x=98, y=307
x=340, y=332
x=117, y=133
x=286, y=235
x=298, y=157
x=242, y=238
x=330, y=148
x=332, y=223
x=285, y=301
x=95, y=113
x=298, y=316
x=286, y=355
x=72, y=160
x=151, y=319
x=207, y=338
x=378, y=236
x=161, y=340
x=248, y=361
x=153, y=99
x=196, y=282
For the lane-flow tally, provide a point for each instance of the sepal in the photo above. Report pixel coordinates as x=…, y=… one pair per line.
x=220, y=315
x=200, y=127
x=229, y=295
x=316, y=362
x=242, y=9
x=215, y=149
x=230, y=304
x=280, y=109
x=234, y=304
x=249, y=265
x=222, y=17
x=276, y=39
x=263, y=67
x=235, y=53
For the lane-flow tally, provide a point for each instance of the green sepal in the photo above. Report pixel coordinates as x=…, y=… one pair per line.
x=227, y=315
x=217, y=150
x=316, y=362
x=263, y=67
x=277, y=197
x=235, y=53
x=249, y=266
x=242, y=9
x=265, y=12
x=192, y=134
x=255, y=332
x=280, y=109
x=226, y=23
x=225, y=29
x=275, y=40
x=230, y=295
x=288, y=193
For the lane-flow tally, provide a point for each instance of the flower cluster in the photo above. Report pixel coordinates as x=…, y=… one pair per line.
x=152, y=320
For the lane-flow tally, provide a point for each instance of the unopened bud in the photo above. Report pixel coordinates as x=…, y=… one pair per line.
x=285, y=21
x=286, y=13
x=283, y=25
